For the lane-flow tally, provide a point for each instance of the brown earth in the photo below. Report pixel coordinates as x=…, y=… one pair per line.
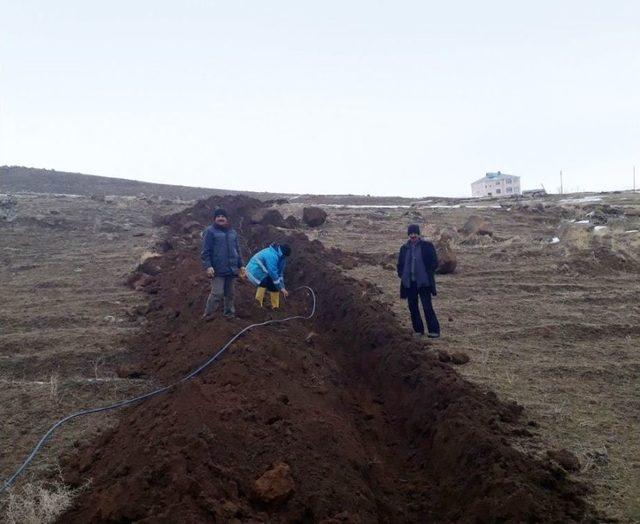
x=371, y=425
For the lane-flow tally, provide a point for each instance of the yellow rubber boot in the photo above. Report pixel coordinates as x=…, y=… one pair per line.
x=260, y=295
x=275, y=299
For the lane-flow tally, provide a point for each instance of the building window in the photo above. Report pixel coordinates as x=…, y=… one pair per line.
x=509, y=190
x=509, y=181
x=498, y=191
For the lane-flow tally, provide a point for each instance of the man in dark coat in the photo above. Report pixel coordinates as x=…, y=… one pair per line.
x=417, y=264
x=222, y=261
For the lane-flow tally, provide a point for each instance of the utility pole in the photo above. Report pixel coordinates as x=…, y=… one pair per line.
x=634, y=179
x=561, y=191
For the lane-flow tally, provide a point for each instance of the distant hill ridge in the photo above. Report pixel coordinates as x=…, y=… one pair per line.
x=15, y=179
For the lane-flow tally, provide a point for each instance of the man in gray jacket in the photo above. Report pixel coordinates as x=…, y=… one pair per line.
x=222, y=261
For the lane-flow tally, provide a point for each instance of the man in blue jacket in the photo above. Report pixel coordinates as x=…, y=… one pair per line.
x=265, y=270
x=417, y=264
x=222, y=261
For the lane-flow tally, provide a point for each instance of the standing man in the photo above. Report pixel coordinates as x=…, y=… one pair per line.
x=222, y=262
x=417, y=264
x=265, y=270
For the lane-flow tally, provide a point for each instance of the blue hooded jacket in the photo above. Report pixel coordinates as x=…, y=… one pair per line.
x=268, y=262
x=220, y=251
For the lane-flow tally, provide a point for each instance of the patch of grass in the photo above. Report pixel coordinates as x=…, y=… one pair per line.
x=38, y=502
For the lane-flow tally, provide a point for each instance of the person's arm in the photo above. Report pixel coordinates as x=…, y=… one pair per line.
x=431, y=261
x=207, y=247
x=281, y=265
x=400, y=265
x=240, y=262
x=272, y=263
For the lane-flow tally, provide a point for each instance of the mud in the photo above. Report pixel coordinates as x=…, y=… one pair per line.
x=371, y=426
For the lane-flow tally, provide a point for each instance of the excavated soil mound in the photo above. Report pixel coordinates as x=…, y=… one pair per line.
x=343, y=418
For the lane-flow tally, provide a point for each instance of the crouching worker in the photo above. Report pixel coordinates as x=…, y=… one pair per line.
x=265, y=270
x=221, y=260
x=417, y=264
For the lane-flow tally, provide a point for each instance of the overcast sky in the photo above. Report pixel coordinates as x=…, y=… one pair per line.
x=395, y=97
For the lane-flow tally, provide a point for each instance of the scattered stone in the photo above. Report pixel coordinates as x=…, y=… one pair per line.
x=448, y=234
x=476, y=225
x=292, y=222
x=459, y=358
x=109, y=318
x=314, y=216
x=310, y=338
x=565, y=458
x=268, y=217
x=276, y=485
x=447, y=260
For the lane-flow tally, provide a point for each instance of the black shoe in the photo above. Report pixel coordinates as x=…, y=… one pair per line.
x=434, y=335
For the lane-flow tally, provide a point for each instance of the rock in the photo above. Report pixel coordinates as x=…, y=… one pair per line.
x=276, y=485
x=448, y=234
x=292, y=222
x=314, y=216
x=565, y=458
x=447, y=260
x=310, y=338
x=476, y=225
x=268, y=217
x=459, y=358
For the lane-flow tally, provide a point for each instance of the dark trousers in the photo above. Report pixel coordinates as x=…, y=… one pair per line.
x=425, y=297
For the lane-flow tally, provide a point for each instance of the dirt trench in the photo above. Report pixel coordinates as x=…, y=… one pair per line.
x=373, y=428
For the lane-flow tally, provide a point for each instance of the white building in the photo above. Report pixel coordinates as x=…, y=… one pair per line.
x=496, y=184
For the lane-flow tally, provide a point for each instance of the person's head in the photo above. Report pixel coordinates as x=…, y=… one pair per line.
x=285, y=249
x=220, y=217
x=413, y=231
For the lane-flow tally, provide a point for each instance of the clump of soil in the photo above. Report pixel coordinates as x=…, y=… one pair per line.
x=341, y=417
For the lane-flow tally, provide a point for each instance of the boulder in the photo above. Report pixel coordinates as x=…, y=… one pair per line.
x=449, y=234
x=275, y=485
x=314, y=216
x=476, y=225
x=268, y=217
x=292, y=222
x=447, y=260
